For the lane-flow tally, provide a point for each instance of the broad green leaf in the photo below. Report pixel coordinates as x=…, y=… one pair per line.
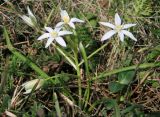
x=111, y=103
x=115, y=87
x=125, y=77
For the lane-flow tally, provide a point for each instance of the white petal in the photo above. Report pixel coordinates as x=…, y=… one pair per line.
x=64, y=14
x=71, y=25
x=59, y=24
x=49, y=41
x=107, y=24
x=127, y=33
x=27, y=20
x=108, y=35
x=117, y=19
x=61, y=41
x=49, y=29
x=128, y=26
x=76, y=20
x=57, y=29
x=61, y=33
x=121, y=35
x=45, y=35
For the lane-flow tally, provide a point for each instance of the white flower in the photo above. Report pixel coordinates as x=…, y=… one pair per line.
x=67, y=20
x=54, y=35
x=31, y=20
x=30, y=84
x=118, y=28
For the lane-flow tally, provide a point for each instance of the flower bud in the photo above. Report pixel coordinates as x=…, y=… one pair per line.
x=30, y=85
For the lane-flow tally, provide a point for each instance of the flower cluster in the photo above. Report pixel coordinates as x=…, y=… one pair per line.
x=56, y=34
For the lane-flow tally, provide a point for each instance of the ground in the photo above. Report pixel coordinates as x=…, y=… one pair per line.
x=89, y=77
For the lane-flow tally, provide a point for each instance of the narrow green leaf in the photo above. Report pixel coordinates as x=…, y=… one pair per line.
x=82, y=49
x=57, y=105
x=22, y=57
x=103, y=75
x=87, y=92
x=65, y=55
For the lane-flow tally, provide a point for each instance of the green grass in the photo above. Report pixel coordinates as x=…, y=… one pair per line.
x=88, y=77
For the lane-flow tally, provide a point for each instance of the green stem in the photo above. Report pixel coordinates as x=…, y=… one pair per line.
x=87, y=91
x=76, y=38
x=79, y=77
x=65, y=55
x=22, y=57
x=95, y=52
x=75, y=51
x=141, y=66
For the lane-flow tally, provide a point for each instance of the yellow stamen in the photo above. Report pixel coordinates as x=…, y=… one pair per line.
x=118, y=28
x=66, y=19
x=54, y=34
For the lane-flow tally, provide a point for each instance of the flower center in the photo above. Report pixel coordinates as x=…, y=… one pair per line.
x=54, y=34
x=118, y=28
x=66, y=19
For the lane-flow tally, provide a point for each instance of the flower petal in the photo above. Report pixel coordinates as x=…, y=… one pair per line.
x=49, y=29
x=107, y=24
x=57, y=29
x=129, y=34
x=128, y=26
x=64, y=14
x=121, y=35
x=59, y=24
x=49, y=41
x=76, y=20
x=61, y=33
x=71, y=25
x=45, y=35
x=60, y=41
x=117, y=19
x=108, y=35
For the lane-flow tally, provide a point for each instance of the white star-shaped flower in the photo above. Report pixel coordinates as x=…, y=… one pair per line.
x=54, y=35
x=67, y=20
x=117, y=28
